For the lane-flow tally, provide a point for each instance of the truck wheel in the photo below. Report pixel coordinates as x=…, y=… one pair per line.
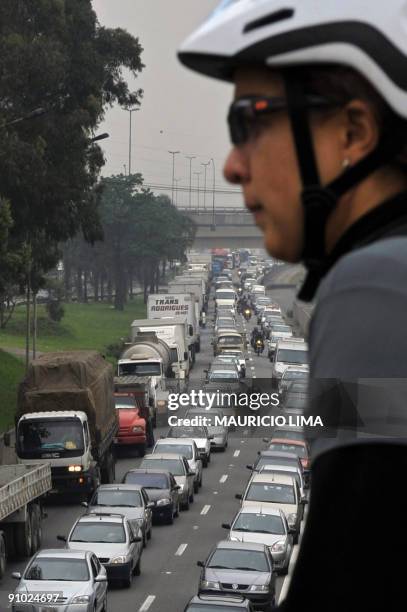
x=23, y=537
x=2, y=555
x=36, y=526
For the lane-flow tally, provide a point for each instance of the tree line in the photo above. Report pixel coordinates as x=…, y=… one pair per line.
x=60, y=70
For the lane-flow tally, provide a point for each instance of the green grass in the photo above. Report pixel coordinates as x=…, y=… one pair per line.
x=84, y=326
x=11, y=373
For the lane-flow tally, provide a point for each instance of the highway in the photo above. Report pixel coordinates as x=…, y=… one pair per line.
x=169, y=574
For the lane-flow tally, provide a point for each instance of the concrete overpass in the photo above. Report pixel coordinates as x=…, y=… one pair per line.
x=226, y=227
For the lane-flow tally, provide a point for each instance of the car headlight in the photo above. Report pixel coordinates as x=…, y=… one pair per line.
x=259, y=588
x=81, y=599
x=164, y=501
x=74, y=468
x=278, y=547
x=292, y=519
x=137, y=429
x=210, y=584
x=117, y=560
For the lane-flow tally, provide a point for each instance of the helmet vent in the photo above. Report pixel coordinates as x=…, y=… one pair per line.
x=268, y=20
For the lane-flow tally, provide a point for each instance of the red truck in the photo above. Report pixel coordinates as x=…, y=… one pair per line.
x=132, y=426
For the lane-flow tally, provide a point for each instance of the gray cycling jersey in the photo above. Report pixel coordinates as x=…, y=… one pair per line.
x=358, y=347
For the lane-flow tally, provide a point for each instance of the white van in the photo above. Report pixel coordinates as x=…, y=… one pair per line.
x=292, y=351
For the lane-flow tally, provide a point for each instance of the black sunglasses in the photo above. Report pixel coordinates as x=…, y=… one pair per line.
x=244, y=113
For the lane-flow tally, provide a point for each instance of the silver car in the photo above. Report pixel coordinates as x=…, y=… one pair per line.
x=219, y=433
x=131, y=500
x=114, y=541
x=188, y=449
x=178, y=466
x=266, y=526
x=72, y=579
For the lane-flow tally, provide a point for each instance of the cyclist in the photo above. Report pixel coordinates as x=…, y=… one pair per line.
x=318, y=127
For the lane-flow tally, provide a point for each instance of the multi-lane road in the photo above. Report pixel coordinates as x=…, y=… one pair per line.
x=169, y=574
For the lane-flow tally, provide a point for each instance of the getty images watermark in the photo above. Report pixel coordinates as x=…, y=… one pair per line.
x=225, y=401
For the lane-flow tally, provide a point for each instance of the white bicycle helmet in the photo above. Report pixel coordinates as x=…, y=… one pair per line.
x=368, y=36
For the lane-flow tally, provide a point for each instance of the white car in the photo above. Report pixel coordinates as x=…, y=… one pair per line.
x=200, y=435
x=290, y=351
x=188, y=449
x=240, y=358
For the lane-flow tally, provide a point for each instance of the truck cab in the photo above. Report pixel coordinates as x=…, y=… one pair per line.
x=63, y=440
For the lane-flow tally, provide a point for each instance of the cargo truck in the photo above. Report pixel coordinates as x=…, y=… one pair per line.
x=22, y=491
x=66, y=416
x=180, y=304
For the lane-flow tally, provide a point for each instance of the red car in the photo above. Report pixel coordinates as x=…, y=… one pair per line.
x=132, y=427
x=299, y=447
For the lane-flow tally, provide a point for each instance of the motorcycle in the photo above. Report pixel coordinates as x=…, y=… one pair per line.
x=247, y=313
x=259, y=346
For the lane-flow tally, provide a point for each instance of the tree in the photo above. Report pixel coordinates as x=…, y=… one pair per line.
x=55, y=56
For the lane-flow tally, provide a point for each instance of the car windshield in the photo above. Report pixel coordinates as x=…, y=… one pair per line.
x=225, y=295
x=233, y=558
x=175, y=466
x=260, y=523
x=264, y=460
x=290, y=435
x=53, y=568
x=148, y=481
x=223, y=376
x=281, y=329
x=187, y=432
x=41, y=437
x=230, y=340
x=296, y=400
x=139, y=369
x=289, y=448
x=117, y=498
x=109, y=533
x=125, y=402
x=175, y=449
x=213, y=607
x=293, y=375
x=271, y=492
x=292, y=356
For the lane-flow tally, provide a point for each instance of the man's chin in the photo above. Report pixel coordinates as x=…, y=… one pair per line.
x=278, y=250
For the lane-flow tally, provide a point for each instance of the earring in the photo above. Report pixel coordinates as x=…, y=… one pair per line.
x=346, y=164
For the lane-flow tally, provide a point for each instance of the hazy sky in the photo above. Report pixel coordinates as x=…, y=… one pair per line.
x=180, y=111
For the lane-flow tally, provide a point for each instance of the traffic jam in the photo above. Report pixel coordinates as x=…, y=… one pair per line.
x=149, y=501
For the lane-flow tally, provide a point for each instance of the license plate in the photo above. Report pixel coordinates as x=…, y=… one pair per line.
x=48, y=609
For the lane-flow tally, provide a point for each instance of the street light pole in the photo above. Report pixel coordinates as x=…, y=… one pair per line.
x=213, y=195
x=176, y=190
x=131, y=110
x=205, y=166
x=190, y=157
x=173, y=153
x=198, y=174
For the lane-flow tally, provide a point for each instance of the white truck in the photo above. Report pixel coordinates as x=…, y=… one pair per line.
x=174, y=333
x=174, y=305
x=193, y=285
x=22, y=489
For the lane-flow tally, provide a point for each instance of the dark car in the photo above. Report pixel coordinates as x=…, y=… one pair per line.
x=240, y=567
x=161, y=489
x=206, y=602
x=268, y=457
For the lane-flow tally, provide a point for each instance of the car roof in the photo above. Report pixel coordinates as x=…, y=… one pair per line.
x=92, y=517
x=260, y=509
x=175, y=441
x=233, y=544
x=157, y=456
x=279, y=468
x=221, y=598
x=119, y=487
x=270, y=477
x=62, y=552
x=149, y=471
x=272, y=453
x=288, y=441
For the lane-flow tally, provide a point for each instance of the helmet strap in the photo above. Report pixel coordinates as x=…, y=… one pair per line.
x=318, y=201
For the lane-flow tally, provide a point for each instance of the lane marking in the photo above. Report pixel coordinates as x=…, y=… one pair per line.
x=215, y=492
x=236, y=453
x=181, y=549
x=205, y=509
x=147, y=603
x=252, y=368
x=223, y=478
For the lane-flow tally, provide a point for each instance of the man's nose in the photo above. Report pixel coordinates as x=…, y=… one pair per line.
x=236, y=169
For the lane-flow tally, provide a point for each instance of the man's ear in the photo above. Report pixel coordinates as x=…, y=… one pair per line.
x=361, y=133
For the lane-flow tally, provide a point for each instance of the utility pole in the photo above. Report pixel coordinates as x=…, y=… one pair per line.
x=176, y=190
x=198, y=174
x=205, y=166
x=213, y=196
x=173, y=153
x=190, y=157
x=130, y=110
